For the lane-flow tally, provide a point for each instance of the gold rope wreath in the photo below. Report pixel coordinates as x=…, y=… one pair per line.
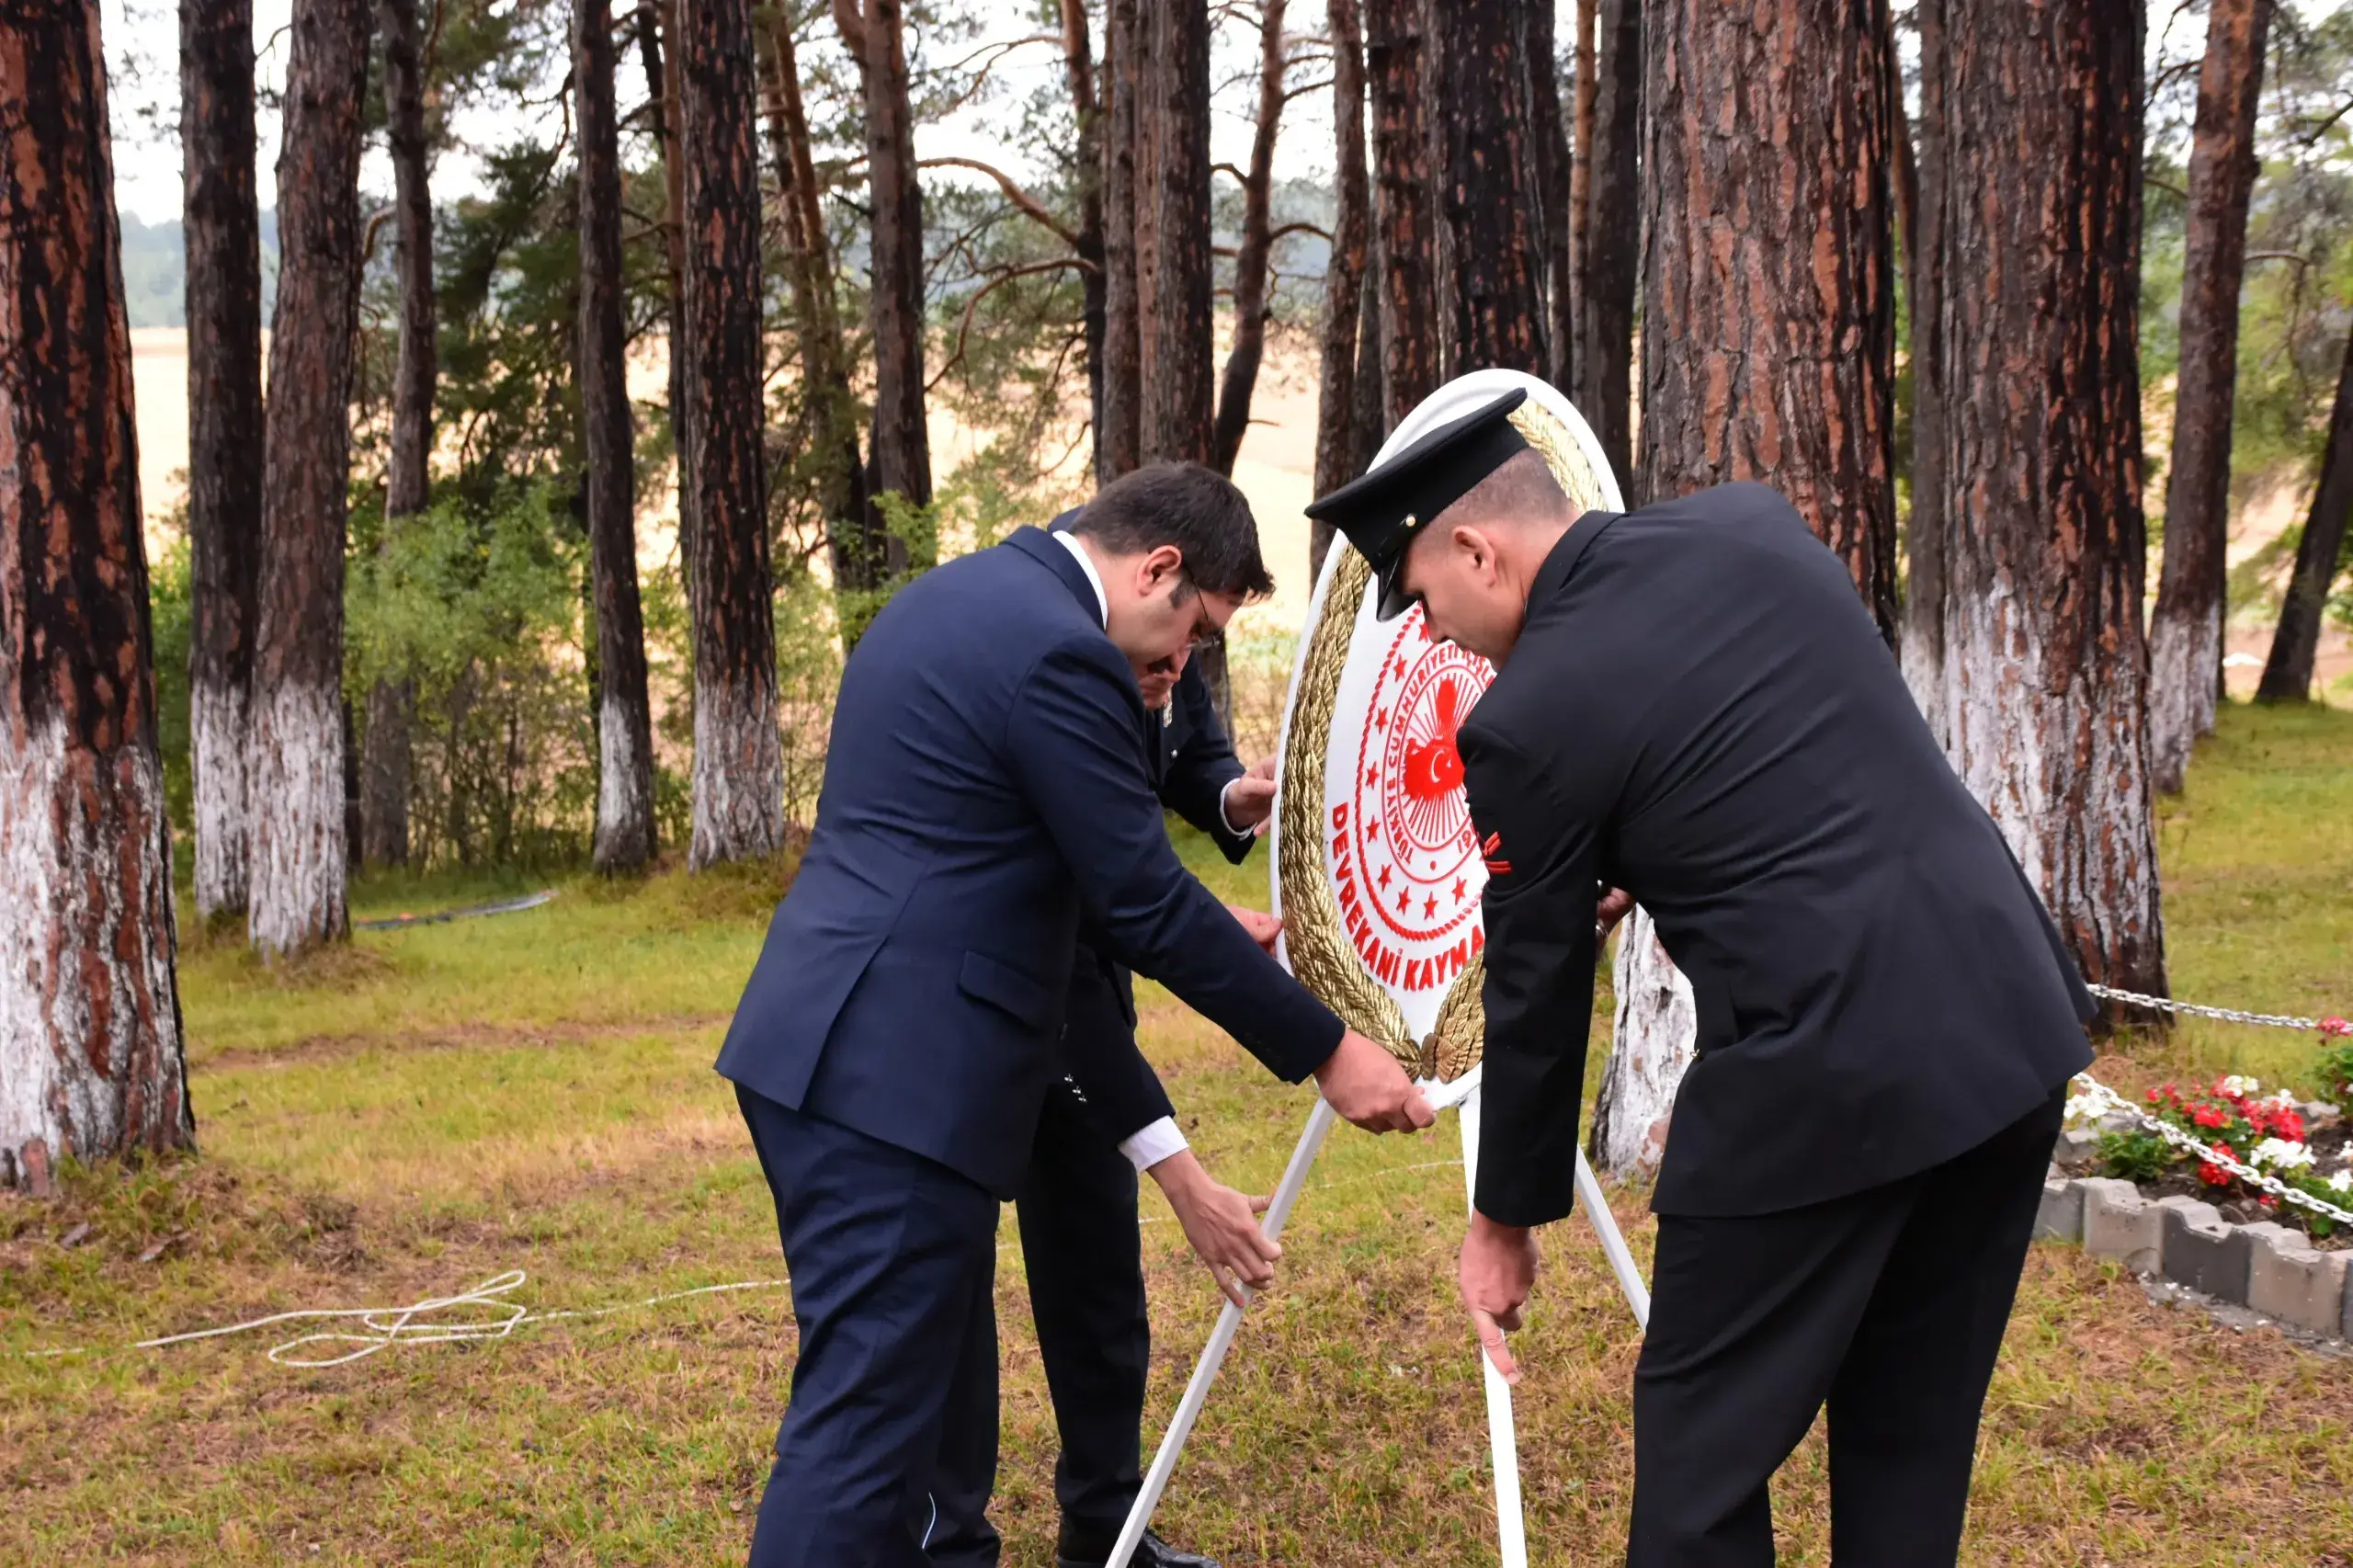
x=1313, y=933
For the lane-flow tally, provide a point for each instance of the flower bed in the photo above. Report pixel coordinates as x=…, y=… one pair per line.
x=2306, y=1145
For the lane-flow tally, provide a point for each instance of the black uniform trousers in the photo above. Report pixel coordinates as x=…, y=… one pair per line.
x=893, y=1258
x=1887, y=1305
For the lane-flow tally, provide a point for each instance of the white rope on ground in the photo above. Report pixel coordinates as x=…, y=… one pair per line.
x=471, y=911
x=483, y=1313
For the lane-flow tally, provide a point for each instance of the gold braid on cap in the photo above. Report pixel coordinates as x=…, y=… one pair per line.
x=1313, y=933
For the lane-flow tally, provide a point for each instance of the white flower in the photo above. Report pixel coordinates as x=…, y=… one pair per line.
x=2085, y=1107
x=2280, y=1153
x=2343, y=1180
x=2234, y=1084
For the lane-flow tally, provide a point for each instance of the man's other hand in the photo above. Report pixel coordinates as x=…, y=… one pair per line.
x=1496, y=1272
x=1223, y=1225
x=1262, y=927
x=1613, y=906
x=1250, y=800
x=1364, y=1084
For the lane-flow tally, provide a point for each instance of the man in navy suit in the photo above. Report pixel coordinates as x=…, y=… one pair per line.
x=987, y=783
x=1104, y=1124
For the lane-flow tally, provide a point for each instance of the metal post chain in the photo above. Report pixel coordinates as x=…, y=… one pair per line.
x=2226, y=1015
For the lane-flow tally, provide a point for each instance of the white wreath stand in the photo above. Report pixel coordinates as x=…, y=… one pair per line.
x=1502, y=1438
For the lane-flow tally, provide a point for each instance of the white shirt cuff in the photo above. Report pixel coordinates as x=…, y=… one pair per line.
x=1153, y=1144
x=1225, y=816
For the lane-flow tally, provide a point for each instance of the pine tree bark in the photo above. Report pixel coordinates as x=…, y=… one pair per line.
x=1768, y=290
x=92, y=1056
x=385, y=763
x=221, y=224
x=1078, y=67
x=1405, y=215
x=738, y=766
x=2186, y=634
x=1928, y=536
x=2046, y=670
x=1770, y=356
x=1254, y=253
x=1344, y=278
x=902, y=445
x=1548, y=142
x=1580, y=192
x=1119, y=431
x=300, y=853
x=658, y=19
x=624, y=833
x=1489, y=199
x=2295, y=643
x=1177, y=385
x=862, y=556
x=1611, y=249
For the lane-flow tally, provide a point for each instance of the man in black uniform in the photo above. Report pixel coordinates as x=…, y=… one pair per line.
x=1694, y=706
x=1108, y=1122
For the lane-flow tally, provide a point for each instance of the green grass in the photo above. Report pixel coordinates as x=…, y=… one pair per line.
x=533, y=1090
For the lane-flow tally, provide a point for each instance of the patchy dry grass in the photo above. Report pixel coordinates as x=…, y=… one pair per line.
x=534, y=1091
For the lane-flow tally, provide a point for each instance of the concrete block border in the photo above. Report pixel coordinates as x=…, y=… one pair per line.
x=2264, y=1267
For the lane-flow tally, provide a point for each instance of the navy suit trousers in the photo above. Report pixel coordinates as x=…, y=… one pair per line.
x=893, y=1259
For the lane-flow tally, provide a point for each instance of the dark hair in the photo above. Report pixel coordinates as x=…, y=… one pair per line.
x=1194, y=508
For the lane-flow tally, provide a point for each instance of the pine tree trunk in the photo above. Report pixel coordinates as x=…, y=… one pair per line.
x=1397, y=74
x=1549, y=141
x=1929, y=531
x=658, y=19
x=1177, y=387
x=1771, y=353
x=1655, y=1036
x=738, y=766
x=1119, y=434
x=1252, y=256
x=2288, y=673
x=221, y=226
x=624, y=835
x=300, y=853
x=385, y=762
x=1580, y=198
x=1078, y=66
x=1771, y=356
x=1344, y=278
x=902, y=444
x=1605, y=359
x=91, y=1050
x=862, y=557
x=1489, y=199
x=2186, y=634
x=2046, y=671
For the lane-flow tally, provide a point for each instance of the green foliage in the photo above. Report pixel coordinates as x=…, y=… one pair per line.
x=172, y=625
x=2136, y=1157
x=2333, y=1070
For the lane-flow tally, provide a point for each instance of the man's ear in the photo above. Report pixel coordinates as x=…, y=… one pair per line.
x=1158, y=569
x=1475, y=544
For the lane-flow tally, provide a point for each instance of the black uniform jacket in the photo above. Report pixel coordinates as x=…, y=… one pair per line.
x=1191, y=763
x=1699, y=710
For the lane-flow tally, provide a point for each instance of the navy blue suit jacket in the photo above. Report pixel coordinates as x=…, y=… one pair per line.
x=1192, y=762
x=985, y=784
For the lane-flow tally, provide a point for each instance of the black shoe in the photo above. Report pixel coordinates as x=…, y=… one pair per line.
x=1152, y=1552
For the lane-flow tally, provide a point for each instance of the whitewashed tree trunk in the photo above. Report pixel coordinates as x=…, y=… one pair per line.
x=219, y=738
x=91, y=1050
x=738, y=773
x=1653, y=1037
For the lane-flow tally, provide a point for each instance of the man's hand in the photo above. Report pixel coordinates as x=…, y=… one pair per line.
x=1497, y=1270
x=1615, y=903
x=1365, y=1084
x=1223, y=1225
x=1250, y=800
x=1262, y=927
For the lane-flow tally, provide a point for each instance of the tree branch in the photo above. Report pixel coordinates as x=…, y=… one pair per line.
x=964, y=328
x=1030, y=205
